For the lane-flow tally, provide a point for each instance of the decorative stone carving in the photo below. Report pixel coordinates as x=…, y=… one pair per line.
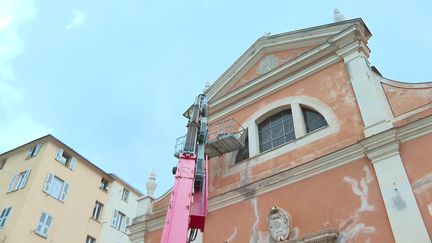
x=268, y=63
x=279, y=223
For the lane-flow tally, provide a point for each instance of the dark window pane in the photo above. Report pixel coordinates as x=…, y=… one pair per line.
x=276, y=130
x=278, y=141
x=288, y=126
x=264, y=125
x=265, y=147
x=286, y=115
x=313, y=120
x=265, y=136
x=289, y=136
x=276, y=119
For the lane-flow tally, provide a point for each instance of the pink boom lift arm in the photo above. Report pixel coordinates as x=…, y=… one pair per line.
x=189, y=198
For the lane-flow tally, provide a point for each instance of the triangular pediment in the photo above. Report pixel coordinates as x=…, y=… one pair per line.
x=272, y=53
x=265, y=63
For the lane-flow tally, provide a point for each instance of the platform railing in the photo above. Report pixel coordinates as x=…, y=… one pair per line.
x=229, y=128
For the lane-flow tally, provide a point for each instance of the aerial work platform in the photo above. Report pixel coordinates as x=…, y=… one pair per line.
x=224, y=137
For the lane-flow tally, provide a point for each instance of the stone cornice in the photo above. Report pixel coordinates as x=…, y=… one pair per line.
x=314, y=60
x=289, y=40
x=375, y=147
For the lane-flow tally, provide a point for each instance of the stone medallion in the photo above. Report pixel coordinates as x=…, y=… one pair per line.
x=279, y=223
x=268, y=63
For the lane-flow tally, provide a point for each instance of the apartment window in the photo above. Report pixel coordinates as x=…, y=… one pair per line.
x=120, y=221
x=18, y=181
x=34, y=151
x=97, y=211
x=2, y=163
x=104, y=184
x=313, y=120
x=56, y=187
x=66, y=159
x=90, y=239
x=3, y=216
x=276, y=130
x=45, y=222
x=125, y=195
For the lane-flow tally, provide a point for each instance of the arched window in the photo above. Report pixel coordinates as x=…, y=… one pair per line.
x=313, y=120
x=243, y=153
x=276, y=130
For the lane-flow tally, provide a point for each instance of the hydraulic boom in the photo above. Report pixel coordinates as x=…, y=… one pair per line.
x=188, y=204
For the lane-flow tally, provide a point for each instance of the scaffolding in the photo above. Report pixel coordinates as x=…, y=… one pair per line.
x=224, y=137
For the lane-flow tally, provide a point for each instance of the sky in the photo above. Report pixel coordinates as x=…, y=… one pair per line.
x=111, y=79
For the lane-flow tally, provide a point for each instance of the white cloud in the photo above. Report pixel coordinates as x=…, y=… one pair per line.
x=13, y=15
x=78, y=19
x=16, y=125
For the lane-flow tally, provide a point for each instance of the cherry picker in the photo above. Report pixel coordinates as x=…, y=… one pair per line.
x=188, y=204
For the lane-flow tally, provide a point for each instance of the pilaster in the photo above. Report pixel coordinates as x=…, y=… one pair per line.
x=373, y=106
x=402, y=210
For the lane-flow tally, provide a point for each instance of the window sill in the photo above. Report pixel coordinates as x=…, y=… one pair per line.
x=49, y=195
x=95, y=220
x=272, y=153
x=121, y=231
x=40, y=235
x=104, y=190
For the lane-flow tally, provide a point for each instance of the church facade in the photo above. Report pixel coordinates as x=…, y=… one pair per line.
x=335, y=152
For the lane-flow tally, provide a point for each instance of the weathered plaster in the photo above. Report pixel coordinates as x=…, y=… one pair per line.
x=406, y=97
x=294, y=233
x=352, y=227
x=423, y=184
x=232, y=237
x=255, y=235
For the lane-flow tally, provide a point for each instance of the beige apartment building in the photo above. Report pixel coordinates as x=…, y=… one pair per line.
x=50, y=193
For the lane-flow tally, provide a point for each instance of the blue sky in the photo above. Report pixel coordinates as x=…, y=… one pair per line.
x=112, y=78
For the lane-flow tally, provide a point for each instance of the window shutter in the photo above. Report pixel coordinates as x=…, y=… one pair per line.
x=48, y=182
x=7, y=212
x=72, y=164
x=3, y=217
x=12, y=183
x=29, y=153
x=59, y=156
x=37, y=149
x=64, y=192
x=24, y=181
x=41, y=223
x=127, y=223
x=114, y=220
x=47, y=225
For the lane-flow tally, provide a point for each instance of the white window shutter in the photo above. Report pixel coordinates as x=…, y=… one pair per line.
x=48, y=182
x=7, y=212
x=114, y=220
x=24, y=181
x=72, y=163
x=41, y=223
x=59, y=156
x=127, y=223
x=64, y=192
x=48, y=223
x=37, y=149
x=29, y=152
x=12, y=183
